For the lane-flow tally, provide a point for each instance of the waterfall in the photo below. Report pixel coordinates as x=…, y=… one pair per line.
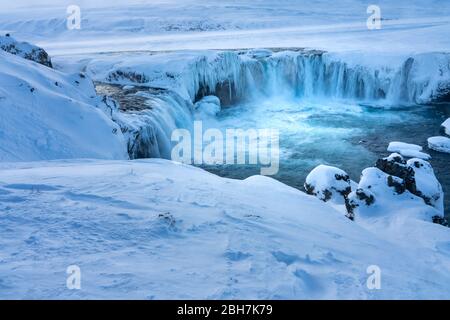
x=235, y=76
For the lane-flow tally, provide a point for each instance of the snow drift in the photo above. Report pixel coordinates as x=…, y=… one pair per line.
x=46, y=114
x=154, y=229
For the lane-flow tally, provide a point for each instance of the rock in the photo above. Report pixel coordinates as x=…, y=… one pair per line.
x=427, y=185
x=408, y=150
x=25, y=50
x=440, y=220
x=330, y=184
x=439, y=143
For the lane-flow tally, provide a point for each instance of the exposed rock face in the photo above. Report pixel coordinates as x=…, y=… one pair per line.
x=330, y=184
x=25, y=50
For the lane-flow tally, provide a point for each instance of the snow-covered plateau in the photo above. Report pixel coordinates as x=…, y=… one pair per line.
x=86, y=177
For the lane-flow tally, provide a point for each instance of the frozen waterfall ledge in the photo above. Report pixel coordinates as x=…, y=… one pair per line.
x=157, y=229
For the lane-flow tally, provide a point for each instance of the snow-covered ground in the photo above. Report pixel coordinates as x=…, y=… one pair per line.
x=153, y=229
x=407, y=26
x=46, y=114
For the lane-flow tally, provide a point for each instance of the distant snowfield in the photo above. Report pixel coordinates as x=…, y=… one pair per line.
x=407, y=26
x=153, y=229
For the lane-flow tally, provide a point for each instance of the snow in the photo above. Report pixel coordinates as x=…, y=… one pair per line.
x=408, y=25
x=446, y=126
x=154, y=229
x=441, y=144
x=328, y=183
x=50, y=115
x=427, y=183
x=25, y=50
x=408, y=150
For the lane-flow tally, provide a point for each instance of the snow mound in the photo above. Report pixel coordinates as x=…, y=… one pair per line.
x=329, y=184
x=446, y=126
x=154, y=229
x=441, y=144
x=50, y=115
x=408, y=150
x=25, y=50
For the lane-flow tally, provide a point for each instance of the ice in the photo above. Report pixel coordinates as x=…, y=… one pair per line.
x=408, y=150
x=441, y=144
x=208, y=107
x=446, y=126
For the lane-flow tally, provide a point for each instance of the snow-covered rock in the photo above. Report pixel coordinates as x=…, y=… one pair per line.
x=380, y=194
x=427, y=185
x=408, y=150
x=396, y=166
x=439, y=143
x=25, y=50
x=329, y=184
x=446, y=126
x=154, y=229
x=208, y=106
x=46, y=114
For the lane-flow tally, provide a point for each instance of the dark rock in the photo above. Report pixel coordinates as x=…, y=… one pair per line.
x=440, y=220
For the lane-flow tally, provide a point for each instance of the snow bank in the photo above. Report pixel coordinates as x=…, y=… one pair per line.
x=154, y=229
x=25, y=50
x=50, y=115
x=441, y=144
x=408, y=150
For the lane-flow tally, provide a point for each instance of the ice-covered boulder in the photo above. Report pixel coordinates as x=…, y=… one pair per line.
x=329, y=184
x=427, y=185
x=446, y=126
x=208, y=106
x=408, y=150
x=25, y=50
x=439, y=143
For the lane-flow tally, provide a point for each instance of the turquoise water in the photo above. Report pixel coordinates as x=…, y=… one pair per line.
x=346, y=135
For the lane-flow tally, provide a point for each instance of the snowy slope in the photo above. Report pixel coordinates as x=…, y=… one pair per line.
x=155, y=229
x=46, y=114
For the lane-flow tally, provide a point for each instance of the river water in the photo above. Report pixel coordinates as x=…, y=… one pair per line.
x=346, y=135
